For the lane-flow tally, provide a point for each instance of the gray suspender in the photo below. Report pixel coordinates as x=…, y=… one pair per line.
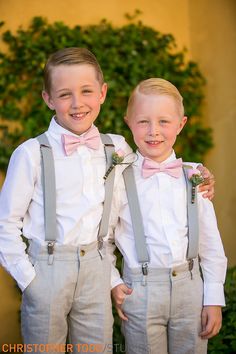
x=136, y=218
x=193, y=226
x=140, y=242
x=49, y=190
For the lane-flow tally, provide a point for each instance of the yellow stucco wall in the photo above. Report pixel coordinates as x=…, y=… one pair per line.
x=208, y=29
x=213, y=46
x=165, y=15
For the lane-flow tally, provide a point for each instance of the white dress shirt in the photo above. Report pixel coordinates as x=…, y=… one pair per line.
x=163, y=206
x=79, y=199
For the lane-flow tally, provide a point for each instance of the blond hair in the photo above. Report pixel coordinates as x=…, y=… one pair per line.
x=70, y=56
x=156, y=86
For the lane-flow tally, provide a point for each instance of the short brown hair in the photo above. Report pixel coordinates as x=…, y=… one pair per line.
x=70, y=56
x=156, y=86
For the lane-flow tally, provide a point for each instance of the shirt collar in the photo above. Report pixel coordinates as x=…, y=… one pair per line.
x=140, y=158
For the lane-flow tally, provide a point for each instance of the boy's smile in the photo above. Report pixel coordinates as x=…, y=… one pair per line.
x=154, y=142
x=155, y=122
x=76, y=96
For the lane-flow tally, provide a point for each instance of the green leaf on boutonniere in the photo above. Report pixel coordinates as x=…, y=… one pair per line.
x=117, y=158
x=194, y=175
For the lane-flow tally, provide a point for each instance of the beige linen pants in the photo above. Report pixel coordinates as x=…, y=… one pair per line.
x=165, y=313
x=68, y=300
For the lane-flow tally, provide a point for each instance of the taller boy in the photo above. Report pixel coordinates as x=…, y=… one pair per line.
x=71, y=295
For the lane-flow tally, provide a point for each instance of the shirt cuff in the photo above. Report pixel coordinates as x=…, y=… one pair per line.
x=214, y=294
x=116, y=282
x=23, y=272
x=115, y=277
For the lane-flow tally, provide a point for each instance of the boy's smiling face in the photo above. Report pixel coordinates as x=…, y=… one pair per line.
x=155, y=122
x=76, y=96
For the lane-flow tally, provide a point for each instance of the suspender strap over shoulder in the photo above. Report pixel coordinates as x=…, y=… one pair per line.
x=193, y=226
x=136, y=217
x=49, y=188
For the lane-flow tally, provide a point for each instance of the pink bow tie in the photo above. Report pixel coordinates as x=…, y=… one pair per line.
x=91, y=139
x=173, y=168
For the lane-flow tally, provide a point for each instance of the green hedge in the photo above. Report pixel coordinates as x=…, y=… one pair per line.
x=127, y=55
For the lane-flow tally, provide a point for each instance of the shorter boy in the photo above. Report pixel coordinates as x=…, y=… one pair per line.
x=165, y=305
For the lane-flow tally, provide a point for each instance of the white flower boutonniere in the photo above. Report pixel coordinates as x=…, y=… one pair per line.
x=196, y=178
x=117, y=159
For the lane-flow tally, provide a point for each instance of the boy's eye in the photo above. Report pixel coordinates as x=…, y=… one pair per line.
x=85, y=91
x=164, y=121
x=143, y=121
x=64, y=94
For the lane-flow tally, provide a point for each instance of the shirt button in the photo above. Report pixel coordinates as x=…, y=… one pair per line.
x=82, y=252
x=174, y=273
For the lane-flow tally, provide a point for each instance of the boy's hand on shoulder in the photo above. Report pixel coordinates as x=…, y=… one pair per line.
x=208, y=184
x=211, y=321
x=119, y=294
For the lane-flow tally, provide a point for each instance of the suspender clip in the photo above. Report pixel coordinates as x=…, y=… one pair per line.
x=50, y=252
x=145, y=268
x=100, y=242
x=190, y=266
x=51, y=247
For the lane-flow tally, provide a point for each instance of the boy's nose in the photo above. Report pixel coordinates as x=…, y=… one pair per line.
x=76, y=102
x=154, y=130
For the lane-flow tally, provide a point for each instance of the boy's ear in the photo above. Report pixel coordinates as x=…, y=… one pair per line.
x=182, y=124
x=126, y=120
x=47, y=100
x=103, y=93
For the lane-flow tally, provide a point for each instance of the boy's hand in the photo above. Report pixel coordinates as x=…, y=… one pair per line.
x=208, y=184
x=211, y=321
x=119, y=293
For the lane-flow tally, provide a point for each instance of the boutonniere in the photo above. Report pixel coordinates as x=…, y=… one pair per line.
x=195, y=177
x=117, y=159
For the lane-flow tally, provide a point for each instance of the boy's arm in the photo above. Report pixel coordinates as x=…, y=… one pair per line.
x=119, y=289
x=15, y=198
x=213, y=265
x=120, y=144
x=113, y=222
x=211, y=253
x=110, y=250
